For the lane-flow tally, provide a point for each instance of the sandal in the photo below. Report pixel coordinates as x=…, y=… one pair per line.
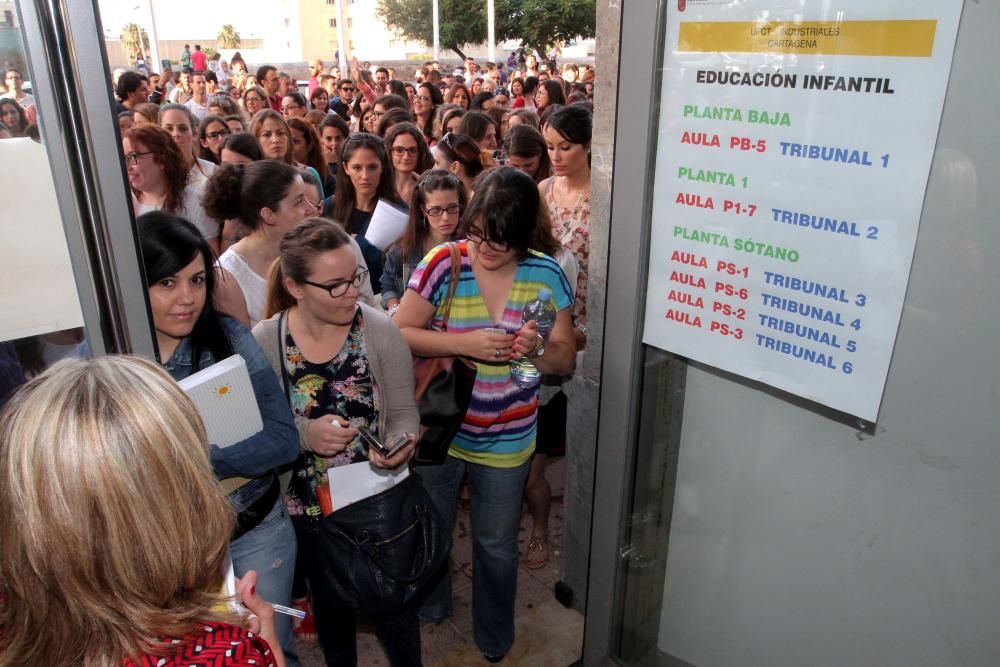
x=305, y=629
x=537, y=555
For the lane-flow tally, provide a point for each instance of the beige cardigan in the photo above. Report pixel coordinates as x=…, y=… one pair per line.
x=388, y=357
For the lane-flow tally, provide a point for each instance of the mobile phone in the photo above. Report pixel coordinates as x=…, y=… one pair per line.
x=392, y=444
x=497, y=330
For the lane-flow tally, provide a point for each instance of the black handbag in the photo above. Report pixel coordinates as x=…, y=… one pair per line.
x=383, y=550
x=443, y=388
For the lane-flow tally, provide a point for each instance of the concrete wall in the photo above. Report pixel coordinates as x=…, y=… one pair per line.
x=584, y=389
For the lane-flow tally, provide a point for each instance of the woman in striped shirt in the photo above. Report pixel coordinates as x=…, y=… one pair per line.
x=500, y=273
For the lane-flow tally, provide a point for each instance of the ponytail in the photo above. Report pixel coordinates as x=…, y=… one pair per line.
x=278, y=296
x=299, y=248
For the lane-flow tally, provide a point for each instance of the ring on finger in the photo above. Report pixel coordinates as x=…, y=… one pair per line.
x=497, y=352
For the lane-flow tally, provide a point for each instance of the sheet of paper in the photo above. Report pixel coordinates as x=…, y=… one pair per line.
x=351, y=483
x=387, y=224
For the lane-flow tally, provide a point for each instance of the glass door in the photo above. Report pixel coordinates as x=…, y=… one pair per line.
x=68, y=257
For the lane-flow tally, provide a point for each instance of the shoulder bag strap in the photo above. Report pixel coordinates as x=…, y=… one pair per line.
x=454, y=277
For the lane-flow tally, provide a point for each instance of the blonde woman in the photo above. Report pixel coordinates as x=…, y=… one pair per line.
x=116, y=559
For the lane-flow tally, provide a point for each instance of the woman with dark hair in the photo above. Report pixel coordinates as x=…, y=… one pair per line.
x=240, y=148
x=364, y=177
x=450, y=119
x=146, y=113
x=319, y=99
x=159, y=178
x=334, y=131
x=178, y=120
x=294, y=105
x=461, y=156
x=500, y=273
x=191, y=336
x=268, y=198
x=391, y=118
x=482, y=101
x=526, y=98
x=567, y=193
x=307, y=149
x=436, y=206
x=13, y=117
x=211, y=132
x=524, y=117
x=549, y=92
x=425, y=104
x=356, y=370
x=410, y=157
x=396, y=87
x=526, y=150
x=500, y=116
x=222, y=105
x=236, y=122
x=481, y=128
x=361, y=106
x=458, y=94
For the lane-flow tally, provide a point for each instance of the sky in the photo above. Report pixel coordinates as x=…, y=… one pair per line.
x=187, y=19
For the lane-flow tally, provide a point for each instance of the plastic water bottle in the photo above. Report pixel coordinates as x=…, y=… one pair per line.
x=523, y=372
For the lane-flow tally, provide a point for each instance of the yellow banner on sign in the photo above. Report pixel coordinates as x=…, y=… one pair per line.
x=912, y=39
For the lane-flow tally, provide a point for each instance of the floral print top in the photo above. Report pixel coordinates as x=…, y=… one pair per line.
x=571, y=227
x=342, y=386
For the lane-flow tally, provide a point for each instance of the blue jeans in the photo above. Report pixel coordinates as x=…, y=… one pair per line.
x=269, y=550
x=495, y=499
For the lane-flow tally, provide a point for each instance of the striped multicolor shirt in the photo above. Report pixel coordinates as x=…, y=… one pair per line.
x=499, y=428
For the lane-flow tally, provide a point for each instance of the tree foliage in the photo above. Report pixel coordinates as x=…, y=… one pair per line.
x=228, y=38
x=538, y=24
x=134, y=39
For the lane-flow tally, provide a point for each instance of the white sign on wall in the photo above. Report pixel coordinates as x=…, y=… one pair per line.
x=794, y=149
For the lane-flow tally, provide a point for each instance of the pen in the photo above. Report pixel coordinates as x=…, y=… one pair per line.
x=282, y=609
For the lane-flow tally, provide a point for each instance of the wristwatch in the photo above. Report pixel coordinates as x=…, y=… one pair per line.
x=540, y=350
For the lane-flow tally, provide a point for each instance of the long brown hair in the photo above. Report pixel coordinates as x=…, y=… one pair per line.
x=314, y=158
x=126, y=548
x=345, y=197
x=299, y=248
x=417, y=226
x=526, y=141
x=424, y=158
x=166, y=154
x=257, y=124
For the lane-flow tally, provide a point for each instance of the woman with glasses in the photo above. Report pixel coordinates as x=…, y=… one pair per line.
x=211, y=133
x=425, y=103
x=364, y=177
x=345, y=366
x=500, y=273
x=293, y=105
x=254, y=99
x=436, y=205
x=410, y=157
x=159, y=179
x=317, y=204
x=191, y=336
x=461, y=156
x=268, y=198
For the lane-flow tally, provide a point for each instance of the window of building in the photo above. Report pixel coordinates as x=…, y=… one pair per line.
x=333, y=23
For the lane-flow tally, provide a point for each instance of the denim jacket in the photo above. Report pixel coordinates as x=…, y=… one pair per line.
x=276, y=445
x=396, y=273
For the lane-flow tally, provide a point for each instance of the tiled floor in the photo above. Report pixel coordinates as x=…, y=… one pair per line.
x=548, y=635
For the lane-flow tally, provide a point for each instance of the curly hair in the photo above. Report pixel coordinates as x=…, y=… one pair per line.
x=168, y=156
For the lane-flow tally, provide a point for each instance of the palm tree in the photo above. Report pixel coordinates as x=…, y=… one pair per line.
x=228, y=37
x=134, y=39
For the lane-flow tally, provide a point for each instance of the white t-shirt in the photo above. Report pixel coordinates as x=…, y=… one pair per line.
x=198, y=110
x=201, y=171
x=253, y=286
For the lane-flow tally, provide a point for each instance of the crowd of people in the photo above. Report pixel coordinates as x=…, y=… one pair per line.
x=253, y=202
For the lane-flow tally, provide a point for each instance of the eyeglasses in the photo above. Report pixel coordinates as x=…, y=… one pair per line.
x=339, y=288
x=212, y=136
x=254, y=99
x=477, y=237
x=290, y=107
x=400, y=151
x=438, y=211
x=132, y=159
x=422, y=98
x=317, y=205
